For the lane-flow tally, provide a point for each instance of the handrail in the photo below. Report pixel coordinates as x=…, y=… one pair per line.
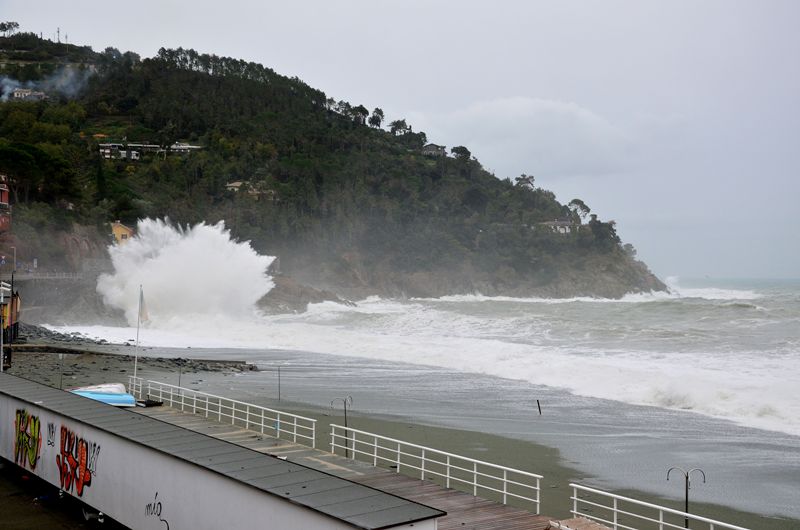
x=246, y=415
x=616, y=512
x=464, y=471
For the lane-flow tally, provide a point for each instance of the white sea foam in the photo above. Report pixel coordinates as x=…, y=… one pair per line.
x=199, y=270
x=694, y=353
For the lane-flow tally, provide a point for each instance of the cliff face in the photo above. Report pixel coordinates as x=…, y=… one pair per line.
x=597, y=275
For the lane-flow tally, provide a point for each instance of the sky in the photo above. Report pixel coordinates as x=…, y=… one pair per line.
x=678, y=119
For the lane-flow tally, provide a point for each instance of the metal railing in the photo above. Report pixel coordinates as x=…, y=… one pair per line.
x=616, y=512
x=23, y=275
x=264, y=420
x=445, y=468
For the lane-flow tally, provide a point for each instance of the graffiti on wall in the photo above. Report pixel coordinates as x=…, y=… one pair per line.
x=77, y=462
x=51, y=434
x=153, y=509
x=27, y=439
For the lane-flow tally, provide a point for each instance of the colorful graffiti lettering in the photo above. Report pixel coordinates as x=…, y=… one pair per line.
x=77, y=462
x=28, y=439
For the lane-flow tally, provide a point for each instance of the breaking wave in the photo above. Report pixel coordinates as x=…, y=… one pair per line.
x=184, y=273
x=710, y=350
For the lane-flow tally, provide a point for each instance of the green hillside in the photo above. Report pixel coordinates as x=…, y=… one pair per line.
x=345, y=197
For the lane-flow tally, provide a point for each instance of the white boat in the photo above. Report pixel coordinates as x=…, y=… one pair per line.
x=109, y=393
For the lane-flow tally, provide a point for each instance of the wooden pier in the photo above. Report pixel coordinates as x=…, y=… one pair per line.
x=464, y=511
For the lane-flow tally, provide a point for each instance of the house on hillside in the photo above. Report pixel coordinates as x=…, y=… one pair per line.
x=180, y=147
x=27, y=94
x=434, y=150
x=259, y=191
x=121, y=232
x=562, y=225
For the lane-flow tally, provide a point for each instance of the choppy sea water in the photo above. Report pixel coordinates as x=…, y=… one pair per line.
x=704, y=376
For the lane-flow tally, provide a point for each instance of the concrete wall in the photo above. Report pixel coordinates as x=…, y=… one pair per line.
x=137, y=486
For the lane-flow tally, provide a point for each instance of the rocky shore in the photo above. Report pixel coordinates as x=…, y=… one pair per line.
x=72, y=360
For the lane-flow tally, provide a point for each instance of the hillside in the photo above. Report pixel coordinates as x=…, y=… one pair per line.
x=346, y=204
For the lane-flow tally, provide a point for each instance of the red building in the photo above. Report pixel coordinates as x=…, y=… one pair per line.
x=5, y=209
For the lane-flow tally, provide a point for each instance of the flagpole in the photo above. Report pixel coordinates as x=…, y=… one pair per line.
x=136, y=350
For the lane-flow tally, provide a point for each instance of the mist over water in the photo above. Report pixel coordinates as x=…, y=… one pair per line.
x=723, y=350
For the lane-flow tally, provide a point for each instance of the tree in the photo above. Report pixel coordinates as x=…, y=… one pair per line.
x=525, y=181
x=460, y=152
x=579, y=207
x=398, y=127
x=8, y=27
x=360, y=114
x=377, y=117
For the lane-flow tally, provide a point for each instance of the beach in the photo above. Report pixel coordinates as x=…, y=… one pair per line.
x=236, y=379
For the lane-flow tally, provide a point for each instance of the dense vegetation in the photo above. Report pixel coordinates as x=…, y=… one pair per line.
x=341, y=200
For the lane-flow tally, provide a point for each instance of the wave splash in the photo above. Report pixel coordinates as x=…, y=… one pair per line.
x=184, y=273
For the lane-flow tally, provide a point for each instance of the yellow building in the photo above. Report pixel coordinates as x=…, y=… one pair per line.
x=121, y=232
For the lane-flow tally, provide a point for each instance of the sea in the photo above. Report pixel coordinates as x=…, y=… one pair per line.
x=705, y=375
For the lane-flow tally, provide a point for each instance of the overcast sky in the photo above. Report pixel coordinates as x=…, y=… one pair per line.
x=678, y=119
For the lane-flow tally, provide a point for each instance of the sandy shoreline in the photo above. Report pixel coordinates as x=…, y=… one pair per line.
x=95, y=367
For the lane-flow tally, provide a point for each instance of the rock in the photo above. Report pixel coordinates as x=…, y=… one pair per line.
x=289, y=296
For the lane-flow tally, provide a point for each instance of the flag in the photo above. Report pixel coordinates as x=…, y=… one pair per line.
x=143, y=315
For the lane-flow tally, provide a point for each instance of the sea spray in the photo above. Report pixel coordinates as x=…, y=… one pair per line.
x=187, y=273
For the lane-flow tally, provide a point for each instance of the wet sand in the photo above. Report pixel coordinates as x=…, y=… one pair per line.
x=93, y=368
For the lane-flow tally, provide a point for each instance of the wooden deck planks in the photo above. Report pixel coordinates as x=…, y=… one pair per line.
x=464, y=511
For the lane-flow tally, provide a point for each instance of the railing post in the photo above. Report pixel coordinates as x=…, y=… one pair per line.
x=448, y=471
x=661, y=520
x=375, y=451
x=333, y=436
x=262, y=420
x=398, y=457
x=574, y=501
x=474, y=479
x=616, y=513
x=194, y=403
x=219, y=409
x=313, y=435
x=505, y=485
x=423, y=465
x=247, y=417
x=294, y=429
x=538, y=496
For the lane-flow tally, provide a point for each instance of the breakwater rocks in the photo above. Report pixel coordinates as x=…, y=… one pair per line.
x=40, y=344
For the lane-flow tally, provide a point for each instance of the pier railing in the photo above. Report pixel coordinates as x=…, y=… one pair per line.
x=447, y=469
x=276, y=423
x=623, y=513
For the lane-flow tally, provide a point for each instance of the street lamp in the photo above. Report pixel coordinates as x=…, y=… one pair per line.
x=687, y=475
x=346, y=402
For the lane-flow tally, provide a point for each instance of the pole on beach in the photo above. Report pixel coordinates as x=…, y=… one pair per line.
x=138, y=319
x=688, y=477
x=346, y=401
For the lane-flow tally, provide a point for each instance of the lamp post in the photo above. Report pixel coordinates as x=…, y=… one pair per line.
x=346, y=402
x=687, y=476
